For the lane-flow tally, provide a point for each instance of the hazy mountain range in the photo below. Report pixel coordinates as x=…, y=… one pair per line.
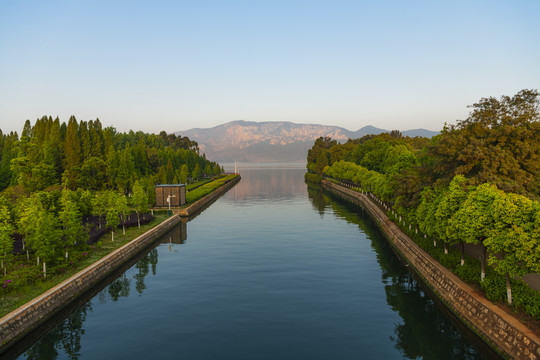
x=272, y=141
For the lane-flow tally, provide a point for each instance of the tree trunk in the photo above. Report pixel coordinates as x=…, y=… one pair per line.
x=508, y=289
x=44, y=270
x=483, y=263
x=445, y=249
x=27, y=256
x=112, y=235
x=37, y=260
x=138, y=219
x=462, y=253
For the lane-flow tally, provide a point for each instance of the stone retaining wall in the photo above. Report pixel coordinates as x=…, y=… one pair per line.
x=19, y=322
x=507, y=334
x=199, y=205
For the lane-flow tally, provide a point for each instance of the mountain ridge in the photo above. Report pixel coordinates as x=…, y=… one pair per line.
x=269, y=141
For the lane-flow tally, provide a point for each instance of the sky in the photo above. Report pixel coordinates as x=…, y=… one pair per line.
x=176, y=65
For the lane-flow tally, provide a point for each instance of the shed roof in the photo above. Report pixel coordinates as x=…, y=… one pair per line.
x=170, y=185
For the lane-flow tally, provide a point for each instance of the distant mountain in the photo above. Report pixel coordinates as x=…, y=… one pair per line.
x=250, y=141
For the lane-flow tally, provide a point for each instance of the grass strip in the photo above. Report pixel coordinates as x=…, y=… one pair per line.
x=207, y=188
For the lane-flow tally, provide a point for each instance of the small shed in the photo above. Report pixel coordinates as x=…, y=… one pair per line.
x=175, y=192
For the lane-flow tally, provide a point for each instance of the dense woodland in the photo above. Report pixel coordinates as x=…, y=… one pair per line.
x=56, y=177
x=477, y=182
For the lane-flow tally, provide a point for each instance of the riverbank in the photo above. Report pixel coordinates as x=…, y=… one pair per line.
x=500, y=329
x=27, y=317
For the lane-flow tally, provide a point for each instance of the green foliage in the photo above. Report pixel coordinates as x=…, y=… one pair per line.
x=6, y=230
x=312, y=178
x=70, y=218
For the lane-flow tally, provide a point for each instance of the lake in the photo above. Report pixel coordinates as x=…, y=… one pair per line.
x=274, y=269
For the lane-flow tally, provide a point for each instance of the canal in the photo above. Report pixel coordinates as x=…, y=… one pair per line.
x=274, y=269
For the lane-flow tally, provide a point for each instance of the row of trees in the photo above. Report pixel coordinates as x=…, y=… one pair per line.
x=477, y=182
x=83, y=154
x=52, y=222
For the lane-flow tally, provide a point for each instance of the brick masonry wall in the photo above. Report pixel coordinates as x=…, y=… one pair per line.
x=20, y=321
x=507, y=334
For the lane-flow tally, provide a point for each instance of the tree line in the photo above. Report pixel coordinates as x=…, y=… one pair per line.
x=477, y=182
x=82, y=154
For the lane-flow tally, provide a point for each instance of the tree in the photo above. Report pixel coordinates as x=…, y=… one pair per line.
x=450, y=203
x=498, y=143
x=72, y=154
x=425, y=213
x=112, y=218
x=6, y=230
x=473, y=222
x=70, y=217
x=99, y=205
x=169, y=175
x=513, y=242
x=28, y=214
x=196, y=172
x=123, y=209
x=140, y=200
x=93, y=173
x=48, y=239
x=184, y=173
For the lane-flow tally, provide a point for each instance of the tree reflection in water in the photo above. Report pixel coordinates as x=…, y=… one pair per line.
x=64, y=340
x=424, y=332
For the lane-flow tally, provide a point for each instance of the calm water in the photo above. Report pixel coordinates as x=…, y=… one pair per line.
x=272, y=270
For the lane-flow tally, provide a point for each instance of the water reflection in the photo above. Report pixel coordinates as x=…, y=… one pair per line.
x=64, y=340
x=257, y=184
x=425, y=330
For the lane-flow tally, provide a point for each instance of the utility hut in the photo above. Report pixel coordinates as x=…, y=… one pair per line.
x=176, y=193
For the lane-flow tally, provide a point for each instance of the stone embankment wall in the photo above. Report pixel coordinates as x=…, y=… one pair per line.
x=507, y=334
x=205, y=201
x=20, y=321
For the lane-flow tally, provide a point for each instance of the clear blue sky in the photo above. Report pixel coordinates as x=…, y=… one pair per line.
x=175, y=65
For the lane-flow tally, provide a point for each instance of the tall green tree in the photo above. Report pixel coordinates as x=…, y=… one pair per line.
x=48, y=239
x=513, y=246
x=71, y=220
x=72, y=154
x=140, y=201
x=6, y=230
x=450, y=203
x=113, y=215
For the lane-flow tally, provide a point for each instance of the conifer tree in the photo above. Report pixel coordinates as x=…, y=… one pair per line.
x=72, y=154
